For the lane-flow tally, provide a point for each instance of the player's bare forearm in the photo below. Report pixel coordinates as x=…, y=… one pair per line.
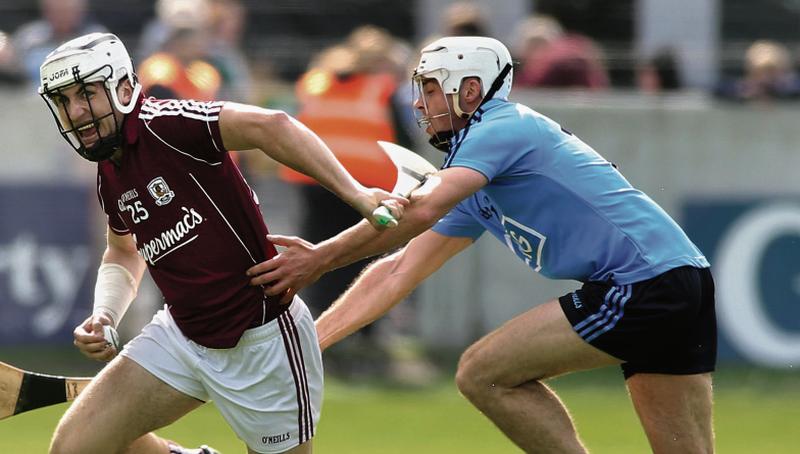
x=373, y=294
x=428, y=204
x=361, y=241
x=385, y=283
x=118, y=279
x=302, y=263
x=121, y=250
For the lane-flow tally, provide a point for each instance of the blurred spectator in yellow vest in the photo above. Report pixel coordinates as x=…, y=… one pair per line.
x=349, y=98
x=350, y=109
x=181, y=69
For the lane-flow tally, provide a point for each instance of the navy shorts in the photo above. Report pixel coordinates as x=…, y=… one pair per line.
x=665, y=325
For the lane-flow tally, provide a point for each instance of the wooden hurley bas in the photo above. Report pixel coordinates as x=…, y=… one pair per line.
x=21, y=391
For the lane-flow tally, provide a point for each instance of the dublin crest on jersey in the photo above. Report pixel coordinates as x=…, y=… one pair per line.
x=160, y=191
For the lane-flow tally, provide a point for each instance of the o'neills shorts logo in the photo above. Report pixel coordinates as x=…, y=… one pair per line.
x=272, y=439
x=160, y=191
x=171, y=239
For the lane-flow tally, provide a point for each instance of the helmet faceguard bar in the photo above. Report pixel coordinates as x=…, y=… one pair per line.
x=417, y=92
x=439, y=139
x=105, y=146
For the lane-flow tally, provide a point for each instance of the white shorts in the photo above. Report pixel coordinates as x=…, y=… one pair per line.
x=268, y=387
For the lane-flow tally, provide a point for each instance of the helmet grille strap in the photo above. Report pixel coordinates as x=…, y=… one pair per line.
x=498, y=82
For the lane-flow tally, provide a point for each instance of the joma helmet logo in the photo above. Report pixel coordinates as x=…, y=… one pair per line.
x=59, y=74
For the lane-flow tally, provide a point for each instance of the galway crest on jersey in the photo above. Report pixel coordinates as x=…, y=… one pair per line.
x=160, y=191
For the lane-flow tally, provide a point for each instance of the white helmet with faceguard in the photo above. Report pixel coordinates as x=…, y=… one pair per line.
x=452, y=59
x=96, y=57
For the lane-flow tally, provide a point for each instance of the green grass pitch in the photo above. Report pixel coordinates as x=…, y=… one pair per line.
x=756, y=411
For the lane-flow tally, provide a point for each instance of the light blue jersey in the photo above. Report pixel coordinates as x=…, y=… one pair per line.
x=559, y=205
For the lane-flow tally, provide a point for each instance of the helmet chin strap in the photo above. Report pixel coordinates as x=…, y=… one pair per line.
x=441, y=140
x=102, y=150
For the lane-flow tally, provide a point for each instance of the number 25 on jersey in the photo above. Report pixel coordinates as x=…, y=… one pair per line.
x=138, y=211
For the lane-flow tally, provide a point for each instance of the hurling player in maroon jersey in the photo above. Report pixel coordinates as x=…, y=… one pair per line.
x=178, y=206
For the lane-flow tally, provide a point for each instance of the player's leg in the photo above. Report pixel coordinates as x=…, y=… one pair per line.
x=123, y=404
x=670, y=384
x=500, y=374
x=269, y=387
x=675, y=411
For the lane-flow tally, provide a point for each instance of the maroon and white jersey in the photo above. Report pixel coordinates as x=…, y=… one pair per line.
x=195, y=220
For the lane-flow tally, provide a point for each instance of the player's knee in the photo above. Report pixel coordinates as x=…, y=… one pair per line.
x=77, y=443
x=71, y=438
x=472, y=380
x=65, y=443
x=467, y=386
x=60, y=442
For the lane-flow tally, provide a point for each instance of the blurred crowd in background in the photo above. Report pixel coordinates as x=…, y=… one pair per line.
x=238, y=49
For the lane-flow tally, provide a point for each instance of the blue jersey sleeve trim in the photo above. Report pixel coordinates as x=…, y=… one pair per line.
x=474, y=165
x=459, y=222
x=458, y=231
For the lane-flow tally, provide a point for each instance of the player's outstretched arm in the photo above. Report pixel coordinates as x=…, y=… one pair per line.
x=289, y=142
x=118, y=279
x=428, y=204
x=385, y=283
x=301, y=262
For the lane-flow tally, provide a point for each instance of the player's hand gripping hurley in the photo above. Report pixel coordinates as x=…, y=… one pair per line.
x=412, y=172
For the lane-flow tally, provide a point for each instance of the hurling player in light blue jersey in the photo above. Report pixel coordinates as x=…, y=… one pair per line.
x=647, y=299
